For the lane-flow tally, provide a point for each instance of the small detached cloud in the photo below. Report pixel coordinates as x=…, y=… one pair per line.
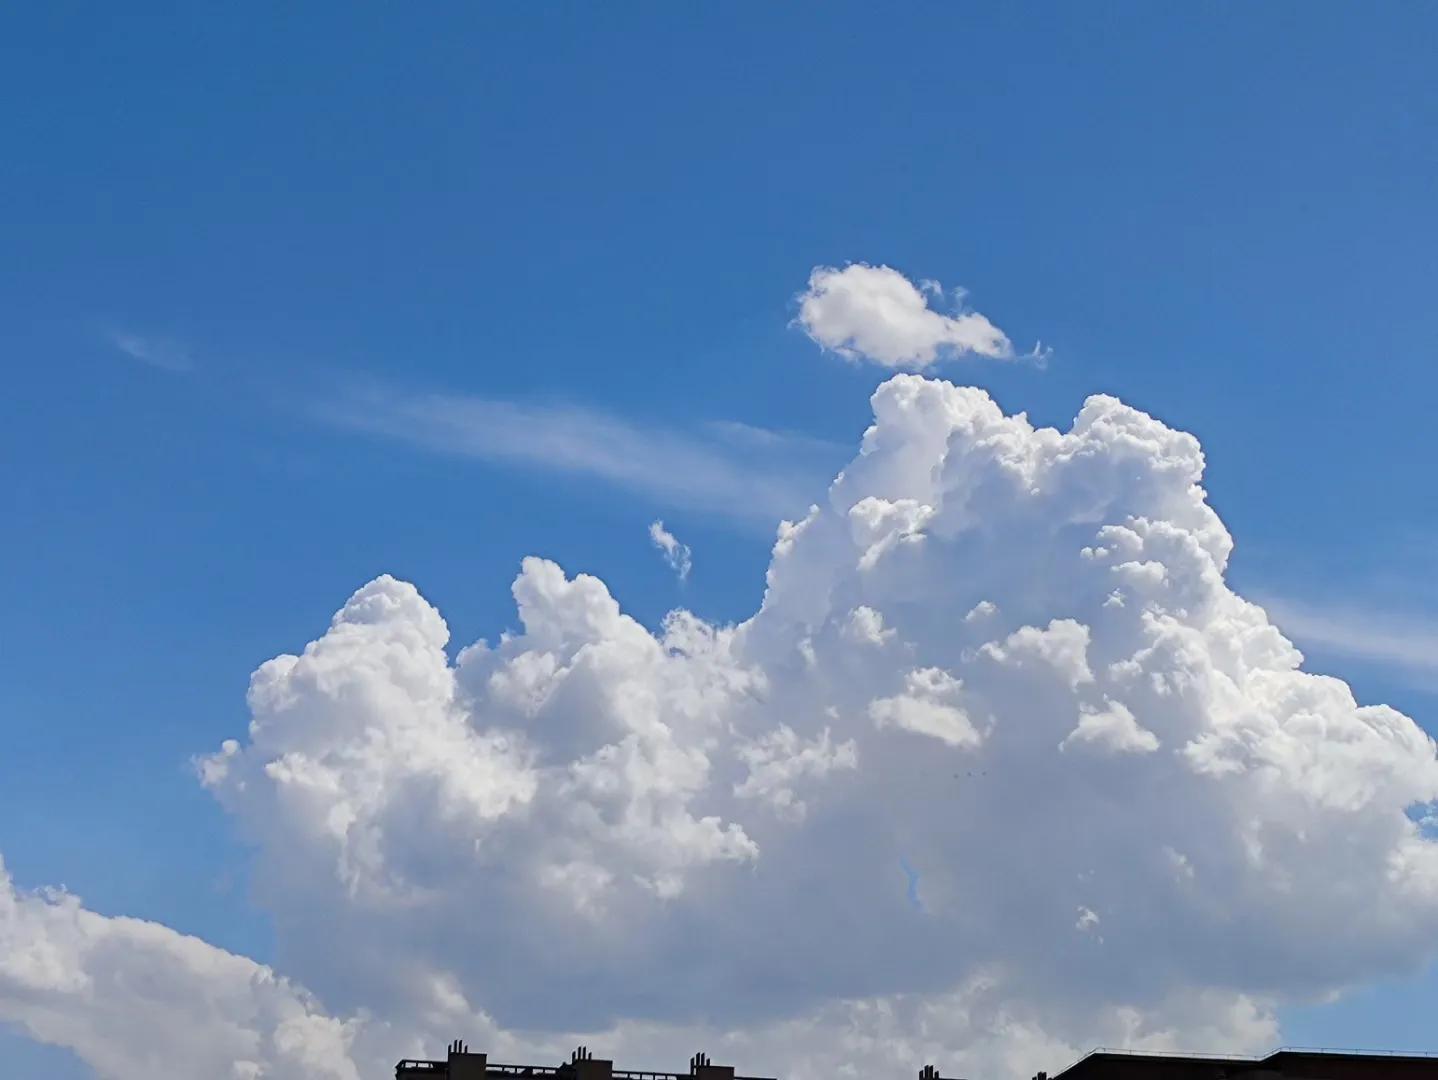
x=875, y=313
x=166, y=354
x=677, y=555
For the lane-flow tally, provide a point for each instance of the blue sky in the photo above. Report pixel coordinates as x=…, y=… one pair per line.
x=221, y=225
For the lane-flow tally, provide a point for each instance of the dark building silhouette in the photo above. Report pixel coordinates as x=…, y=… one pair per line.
x=461, y=1064
x=1294, y=1064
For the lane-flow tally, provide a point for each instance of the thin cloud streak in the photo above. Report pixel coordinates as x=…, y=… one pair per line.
x=163, y=353
x=1405, y=643
x=723, y=468
x=677, y=555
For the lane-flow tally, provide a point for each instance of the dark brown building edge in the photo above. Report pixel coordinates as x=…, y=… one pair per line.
x=1286, y=1064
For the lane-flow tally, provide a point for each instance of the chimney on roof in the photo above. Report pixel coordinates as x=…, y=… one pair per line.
x=588, y=1067
x=701, y=1068
x=929, y=1072
x=466, y=1066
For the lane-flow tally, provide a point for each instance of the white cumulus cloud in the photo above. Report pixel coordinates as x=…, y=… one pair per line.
x=709, y=823
x=875, y=313
x=1113, y=728
x=135, y=999
x=588, y=792
x=931, y=703
x=867, y=625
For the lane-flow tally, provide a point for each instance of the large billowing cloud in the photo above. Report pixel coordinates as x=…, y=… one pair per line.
x=1000, y=769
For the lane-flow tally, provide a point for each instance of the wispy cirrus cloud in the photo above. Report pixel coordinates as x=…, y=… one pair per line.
x=164, y=353
x=727, y=468
x=677, y=555
x=1404, y=642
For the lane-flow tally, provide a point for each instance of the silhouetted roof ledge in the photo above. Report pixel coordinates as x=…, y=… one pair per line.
x=1254, y=1059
